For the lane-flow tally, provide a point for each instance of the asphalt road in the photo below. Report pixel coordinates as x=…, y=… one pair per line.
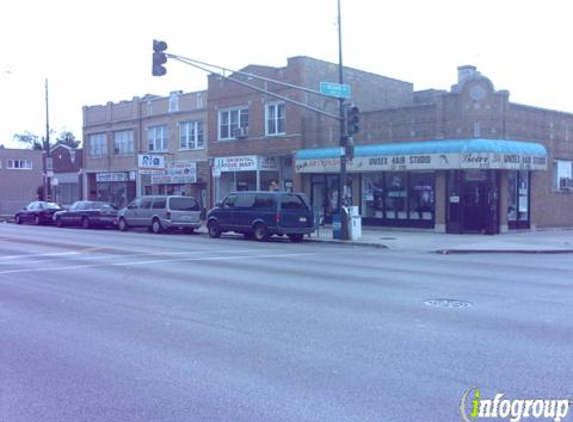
x=120, y=327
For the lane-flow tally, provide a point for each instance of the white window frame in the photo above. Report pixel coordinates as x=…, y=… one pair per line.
x=123, y=142
x=157, y=138
x=97, y=145
x=15, y=164
x=274, y=119
x=191, y=135
x=237, y=117
x=563, y=175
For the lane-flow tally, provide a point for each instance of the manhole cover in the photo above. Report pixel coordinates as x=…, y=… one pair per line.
x=448, y=303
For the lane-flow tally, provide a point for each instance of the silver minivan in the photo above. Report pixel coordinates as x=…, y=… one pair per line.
x=160, y=213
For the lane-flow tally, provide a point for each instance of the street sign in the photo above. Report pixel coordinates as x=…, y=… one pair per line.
x=335, y=90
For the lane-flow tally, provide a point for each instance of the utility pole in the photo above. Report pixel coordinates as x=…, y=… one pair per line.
x=48, y=167
x=343, y=137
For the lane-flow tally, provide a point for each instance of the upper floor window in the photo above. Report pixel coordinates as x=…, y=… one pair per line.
x=157, y=138
x=233, y=123
x=97, y=145
x=191, y=135
x=19, y=164
x=275, y=119
x=123, y=142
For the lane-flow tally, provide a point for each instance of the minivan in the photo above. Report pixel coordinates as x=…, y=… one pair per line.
x=260, y=215
x=160, y=213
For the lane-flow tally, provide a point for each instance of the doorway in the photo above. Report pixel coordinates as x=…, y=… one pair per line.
x=473, y=202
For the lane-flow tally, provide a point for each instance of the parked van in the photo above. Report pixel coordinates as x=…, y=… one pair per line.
x=161, y=212
x=262, y=214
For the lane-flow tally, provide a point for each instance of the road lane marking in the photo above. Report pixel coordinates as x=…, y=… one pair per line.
x=11, y=257
x=157, y=261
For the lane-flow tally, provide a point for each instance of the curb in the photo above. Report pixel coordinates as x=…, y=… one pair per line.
x=499, y=251
x=346, y=243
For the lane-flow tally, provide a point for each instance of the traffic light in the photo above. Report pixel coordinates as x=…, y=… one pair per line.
x=352, y=120
x=159, y=58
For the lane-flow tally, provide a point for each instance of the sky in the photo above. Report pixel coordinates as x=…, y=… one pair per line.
x=92, y=52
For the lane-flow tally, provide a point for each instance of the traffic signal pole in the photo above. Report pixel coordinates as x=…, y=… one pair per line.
x=344, y=226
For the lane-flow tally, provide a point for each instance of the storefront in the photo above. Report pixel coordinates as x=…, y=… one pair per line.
x=161, y=177
x=115, y=187
x=251, y=172
x=458, y=186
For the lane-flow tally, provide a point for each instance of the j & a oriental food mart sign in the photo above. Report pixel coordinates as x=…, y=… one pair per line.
x=244, y=163
x=425, y=162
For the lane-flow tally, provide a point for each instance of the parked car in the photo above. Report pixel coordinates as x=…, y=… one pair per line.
x=262, y=214
x=161, y=212
x=87, y=214
x=37, y=212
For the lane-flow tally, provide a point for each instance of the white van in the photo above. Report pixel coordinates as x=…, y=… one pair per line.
x=160, y=213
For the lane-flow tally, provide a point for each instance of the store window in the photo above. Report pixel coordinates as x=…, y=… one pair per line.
x=421, y=196
x=396, y=196
x=373, y=195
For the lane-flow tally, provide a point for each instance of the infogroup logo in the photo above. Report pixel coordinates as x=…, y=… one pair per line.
x=474, y=407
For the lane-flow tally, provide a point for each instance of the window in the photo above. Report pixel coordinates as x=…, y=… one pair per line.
x=191, y=135
x=275, y=119
x=157, y=138
x=123, y=142
x=159, y=203
x=184, y=204
x=232, y=121
x=19, y=164
x=563, y=175
x=97, y=145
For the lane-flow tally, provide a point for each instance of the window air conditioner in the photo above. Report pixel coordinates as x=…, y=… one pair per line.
x=241, y=133
x=566, y=183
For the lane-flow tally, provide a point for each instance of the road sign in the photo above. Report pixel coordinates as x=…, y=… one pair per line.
x=335, y=90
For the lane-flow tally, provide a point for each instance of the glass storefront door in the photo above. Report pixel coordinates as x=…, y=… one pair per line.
x=518, y=199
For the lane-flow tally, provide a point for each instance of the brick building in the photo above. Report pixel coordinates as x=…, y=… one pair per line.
x=254, y=135
x=21, y=174
x=149, y=145
x=464, y=160
x=67, y=179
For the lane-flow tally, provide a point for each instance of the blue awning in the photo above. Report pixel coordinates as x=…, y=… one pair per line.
x=446, y=146
x=477, y=153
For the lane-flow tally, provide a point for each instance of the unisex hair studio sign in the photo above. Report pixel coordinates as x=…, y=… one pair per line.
x=448, y=161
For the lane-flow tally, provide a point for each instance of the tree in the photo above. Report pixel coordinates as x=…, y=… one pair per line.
x=31, y=140
x=67, y=138
x=37, y=143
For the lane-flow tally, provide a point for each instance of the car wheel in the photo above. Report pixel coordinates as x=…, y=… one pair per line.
x=156, y=226
x=122, y=225
x=37, y=220
x=17, y=220
x=189, y=230
x=296, y=238
x=260, y=232
x=59, y=222
x=214, y=229
x=86, y=224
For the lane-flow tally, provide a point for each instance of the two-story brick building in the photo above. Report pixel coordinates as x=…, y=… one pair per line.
x=67, y=174
x=149, y=145
x=463, y=160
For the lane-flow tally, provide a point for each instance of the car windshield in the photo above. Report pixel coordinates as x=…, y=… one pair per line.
x=51, y=206
x=104, y=206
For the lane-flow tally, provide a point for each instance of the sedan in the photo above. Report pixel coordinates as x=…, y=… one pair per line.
x=87, y=214
x=37, y=212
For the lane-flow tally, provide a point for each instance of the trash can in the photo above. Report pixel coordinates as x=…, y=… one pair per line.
x=336, y=226
x=355, y=224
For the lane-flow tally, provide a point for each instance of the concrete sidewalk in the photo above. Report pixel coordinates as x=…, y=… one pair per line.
x=527, y=241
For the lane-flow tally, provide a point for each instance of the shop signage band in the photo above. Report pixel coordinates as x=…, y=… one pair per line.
x=449, y=161
x=244, y=163
x=177, y=173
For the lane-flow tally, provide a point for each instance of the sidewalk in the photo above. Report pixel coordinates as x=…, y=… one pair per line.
x=539, y=241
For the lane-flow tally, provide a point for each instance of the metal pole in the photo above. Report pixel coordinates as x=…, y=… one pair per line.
x=343, y=176
x=48, y=168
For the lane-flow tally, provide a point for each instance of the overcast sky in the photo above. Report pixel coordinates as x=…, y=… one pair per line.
x=93, y=52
